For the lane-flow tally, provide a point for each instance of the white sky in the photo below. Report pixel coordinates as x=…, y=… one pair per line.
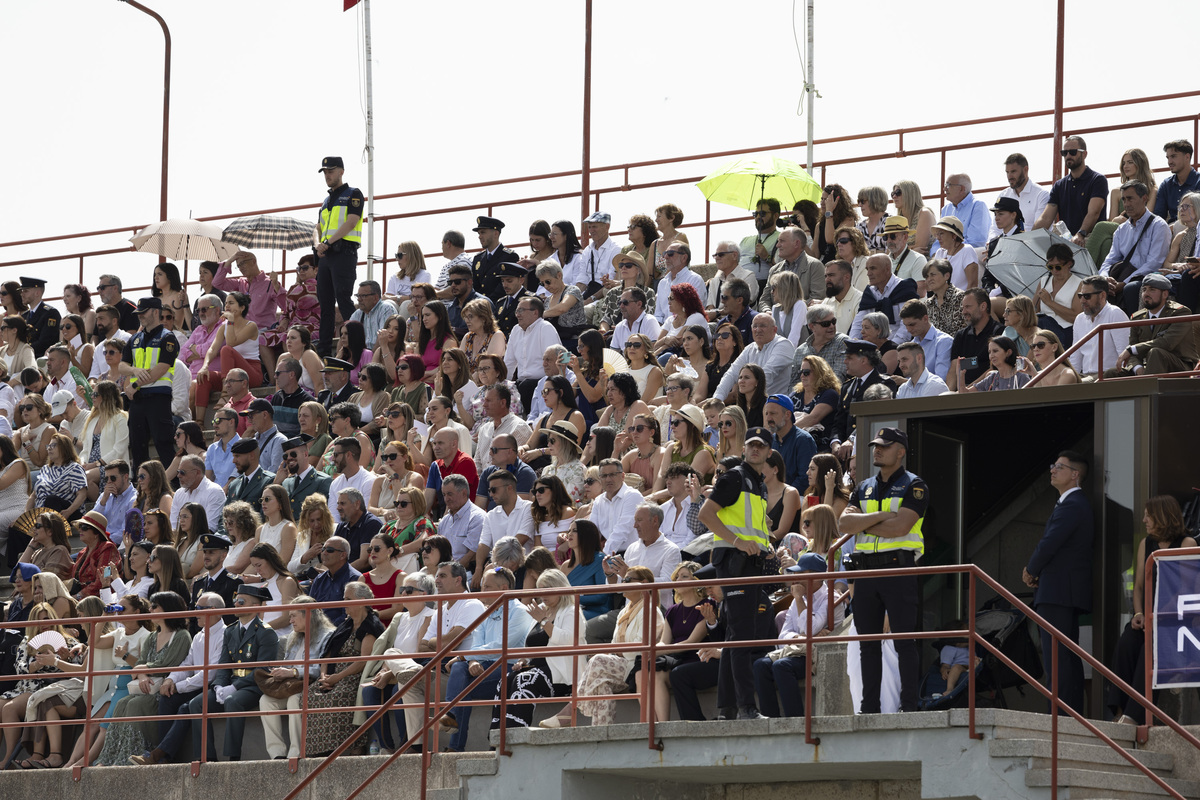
x=471, y=90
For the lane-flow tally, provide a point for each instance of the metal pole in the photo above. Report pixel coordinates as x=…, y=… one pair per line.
x=586, y=185
x=1058, y=90
x=809, y=87
x=166, y=127
x=366, y=6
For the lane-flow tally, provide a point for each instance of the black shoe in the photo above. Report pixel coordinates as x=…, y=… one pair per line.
x=750, y=712
x=726, y=714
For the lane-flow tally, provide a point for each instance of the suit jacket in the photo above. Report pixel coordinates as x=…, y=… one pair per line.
x=251, y=490
x=506, y=311
x=299, y=491
x=225, y=585
x=329, y=398
x=1178, y=338
x=1062, y=561
x=484, y=268
x=852, y=392
x=256, y=643
x=45, y=324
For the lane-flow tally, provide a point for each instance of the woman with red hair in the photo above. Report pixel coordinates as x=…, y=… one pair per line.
x=686, y=309
x=411, y=387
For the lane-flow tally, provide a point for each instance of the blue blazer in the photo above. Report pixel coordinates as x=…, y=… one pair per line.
x=1062, y=561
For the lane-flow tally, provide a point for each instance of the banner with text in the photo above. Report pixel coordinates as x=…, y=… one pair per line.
x=1177, y=622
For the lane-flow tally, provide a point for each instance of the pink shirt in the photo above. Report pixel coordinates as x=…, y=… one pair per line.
x=264, y=298
x=197, y=345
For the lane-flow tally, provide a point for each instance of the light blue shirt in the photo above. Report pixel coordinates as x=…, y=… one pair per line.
x=974, y=216
x=462, y=528
x=537, y=406
x=115, y=510
x=489, y=635
x=928, y=385
x=1149, y=254
x=936, y=345
x=270, y=446
x=373, y=320
x=219, y=460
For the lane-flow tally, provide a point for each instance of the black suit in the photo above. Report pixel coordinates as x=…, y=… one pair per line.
x=224, y=584
x=329, y=398
x=1062, y=564
x=298, y=491
x=45, y=323
x=483, y=268
x=852, y=392
x=249, y=490
x=506, y=311
x=255, y=642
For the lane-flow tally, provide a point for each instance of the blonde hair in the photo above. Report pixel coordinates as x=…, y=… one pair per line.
x=690, y=566
x=1025, y=309
x=725, y=444
x=787, y=288
x=414, y=259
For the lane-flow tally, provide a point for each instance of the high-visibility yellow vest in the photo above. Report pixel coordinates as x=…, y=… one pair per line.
x=147, y=350
x=870, y=502
x=333, y=214
x=746, y=517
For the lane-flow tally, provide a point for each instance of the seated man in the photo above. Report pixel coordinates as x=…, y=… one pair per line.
x=1096, y=310
x=1139, y=247
x=885, y=293
x=1157, y=349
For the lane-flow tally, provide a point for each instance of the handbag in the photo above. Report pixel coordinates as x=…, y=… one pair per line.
x=277, y=688
x=1121, y=270
x=593, y=285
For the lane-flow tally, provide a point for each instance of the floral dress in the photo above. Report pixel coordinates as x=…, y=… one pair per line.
x=300, y=307
x=571, y=474
x=327, y=731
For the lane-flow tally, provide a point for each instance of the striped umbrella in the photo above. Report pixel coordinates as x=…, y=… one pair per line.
x=184, y=240
x=271, y=233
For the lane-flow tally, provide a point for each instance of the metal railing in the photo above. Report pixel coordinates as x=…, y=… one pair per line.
x=621, y=179
x=1100, y=330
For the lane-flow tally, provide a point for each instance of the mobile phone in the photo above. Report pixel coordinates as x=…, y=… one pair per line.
x=564, y=358
x=108, y=572
x=1020, y=362
x=970, y=363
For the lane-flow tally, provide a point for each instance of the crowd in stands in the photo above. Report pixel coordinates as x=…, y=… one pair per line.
x=508, y=421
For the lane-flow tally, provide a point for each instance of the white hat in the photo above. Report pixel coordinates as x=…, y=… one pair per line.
x=62, y=399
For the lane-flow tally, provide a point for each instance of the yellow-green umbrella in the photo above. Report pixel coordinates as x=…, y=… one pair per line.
x=744, y=181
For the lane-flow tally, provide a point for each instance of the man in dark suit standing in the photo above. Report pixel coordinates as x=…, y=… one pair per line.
x=42, y=318
x=1061, y=572
x=233, y=688
x=251, y=479
x=301, y=479
x=485, y=265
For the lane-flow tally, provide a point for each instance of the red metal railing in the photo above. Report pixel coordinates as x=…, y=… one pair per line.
x=1098, y=332
x=620, y=181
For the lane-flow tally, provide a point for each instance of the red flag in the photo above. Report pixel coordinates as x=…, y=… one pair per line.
x=348, y=4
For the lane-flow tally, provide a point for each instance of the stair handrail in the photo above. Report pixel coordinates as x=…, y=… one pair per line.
x=1100, y=330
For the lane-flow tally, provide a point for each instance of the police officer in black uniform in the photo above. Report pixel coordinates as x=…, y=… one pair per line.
x=512, y=279
x=339, y=233
x=863, y=370
x=485, y=266
x=42, y=318
x=336, y=370
x=149, y=361
x=214, y=548
x=886, y=513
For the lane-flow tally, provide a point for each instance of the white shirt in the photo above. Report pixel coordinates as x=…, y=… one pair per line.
x=614, y=517
x=207, y=494
x=401, y=286
x=99, y=367
x=663, y=292
x=720, y=278
x=845, y=309
x=463, y=528
x=488, y=430
x=460, y=615
x=646, y=324
x=776, y=362
x=190, y=675
x=362, y=480
x=65, y=383
x=122, y=589
x=1033, y=200
x=1115, y=341
x=674, y=525
x=964, y=258
x=660, y=557
x=8, y=402
x=600, y=258
x=497, y=524
x=181, y=384
x=523, y=356
x=927, y=385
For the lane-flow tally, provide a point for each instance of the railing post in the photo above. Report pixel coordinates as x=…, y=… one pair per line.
x=971, y=732
x=1148, y=632
x=810, y=652
x=1054, y=700
x=304, y=690
x=89, y=681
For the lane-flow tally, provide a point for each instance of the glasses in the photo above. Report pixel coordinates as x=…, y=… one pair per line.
x=826, y=323
x=1086, y=295
x=630, y=579
x=951, y=185
x=1069, y=151
x=239, y=602
x=27, y=407
x=807, y=523
x=670, y=253
x=725, y=423
x=843, y=241
x=541, y=490
x=426, y=549
x=1057, y=467
x=103, y=286
x=495, y=450
x=804, y=373
x=672, y=389
x=38, y=526
x=633, y=345
x=407, y=590
x=636, y=429
x=494, y=489
x=626, y=302
x=897, y=193
x=1039, y=345
x=142, y=476
x=403, y=503
x=376, y=548
x=891, y=237
x=402, y=367
x=399, y=255
x=724, y=253
x=395, y=414
x=330, y=550
x=1007, y=311
x=725, y=335
x=154, y=557
x=590, y=481
x=111, y=478
x=457, y=281
x=725, y=298
x=627, y=265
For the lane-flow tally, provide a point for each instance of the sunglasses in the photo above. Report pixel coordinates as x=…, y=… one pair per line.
x=407, y=590
x=590, y=481
x=1069, y=151
x=541, y=490
x=402, y=367
x=630, y=579
x=725, y=335
x=843, y=241
x=826, y=323
x=1039, y=345
x=494, y=489
x=403, y=503
x=426, y=549
x=896, y=193
x=724, y=253
x=457, y=281
x=331, y=550
x=627, y=265
x=1086, y=295
x=805, y=373
x=627, y=302
x=637, y=429
x=675, y=422
x=673, y=253
x=495, y=450
x=390, y=456
x=395, y=414
x=1056, y=267
x=26, y=407
x=375, y=548
x=890, y=237
x=633, y=346
x=725, y=423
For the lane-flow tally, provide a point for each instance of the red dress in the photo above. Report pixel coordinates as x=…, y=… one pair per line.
x=300, y=307
x=388, y=589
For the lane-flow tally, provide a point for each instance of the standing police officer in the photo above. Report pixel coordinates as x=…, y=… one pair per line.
x=885, y=513
x=149, y=361
x=736, y=513
x=339, y=233
x=42, y=318
x=486, y=265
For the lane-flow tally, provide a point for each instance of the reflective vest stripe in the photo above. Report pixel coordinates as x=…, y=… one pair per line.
x=147, y=358
x=333, y=216
x=913, y=540
x=747, y=518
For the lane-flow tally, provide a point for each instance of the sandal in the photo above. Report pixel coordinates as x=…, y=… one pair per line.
x=45, y=762
x=29, y=763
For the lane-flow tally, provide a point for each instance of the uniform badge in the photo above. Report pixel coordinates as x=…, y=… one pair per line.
x=918, y=493
x=170, y=346
x=868, y=491
x=354, y=201
x=52, y=322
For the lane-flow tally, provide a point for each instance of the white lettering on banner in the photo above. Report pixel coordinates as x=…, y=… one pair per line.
x=1185, y=632
x=1187, y=602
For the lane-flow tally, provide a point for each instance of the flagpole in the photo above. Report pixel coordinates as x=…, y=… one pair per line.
x=370, y=145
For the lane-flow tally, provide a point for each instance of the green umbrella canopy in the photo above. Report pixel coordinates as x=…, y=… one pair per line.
x=744, y=181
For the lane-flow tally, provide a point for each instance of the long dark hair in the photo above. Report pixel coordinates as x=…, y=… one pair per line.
x=269, y=554
x=566, y=397
x=85, y=296
x=603, y=438
x=172, y=273
x=356, y=342
x=559, y=499
x=443, y=331
x=593, y=340
x=701, y=333
x=759, y=398
x=14, y=296
x=570, y=238
x=587, y=533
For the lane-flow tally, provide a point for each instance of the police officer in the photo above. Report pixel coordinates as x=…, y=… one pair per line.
x=42, y=318
x=485, y=266
x=214, y=549
x=863, y=370
x=736, y=512
x=512, y=279
x=149, y=361
x=339, y=233
x=337, y=382
x=885, y=513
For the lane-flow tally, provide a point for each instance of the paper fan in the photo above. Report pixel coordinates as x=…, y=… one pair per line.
x=25, y=522
x=614, y=362
x=52, y=639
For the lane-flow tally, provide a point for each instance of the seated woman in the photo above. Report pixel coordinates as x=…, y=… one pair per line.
x=642, y=366
x=166, y=570
x=234, y=345
x=552, y=511
x=153, y=488
x=624, y=403
x=783, y=501
x=395, y=468
x=383, y=578
x=556, y=621
x=278, y=528
x=434, y=550
x=825, y=484
x=435, y=337
x=696, y=356
x=189, y=441
x=584, y=566
x=268, y=571
x=564, y=306
x=310, y=633
x=105, y=436
x=689, y=446
x=591, y=490
x=135, y=579
x=48, y=588
x=314, y=528
x=616, y=673
x=299, y=347
x=1045, y=349
x=338, y=683
x=33, y=440
x=1005, y=372
x=750, y=394
x=299, y=308
x=352, y=348
x=685, y=624
x=156, y=529
x=590, y=380
x=453, y=380
x=482, y=336
x=731, y=427
x=819, y=524
x=685, y=310
x=193, y=523
x=98, y=557
x=439, y=414
x=314, y=421
x=50, y=548
x=372, y=398
x=241, y=526
x=1021, y=322
x=559, y=399
x=411, y=528
x=877, y=330
x=564, y=451
x=816, y=397
x=1165, y=530
x=411, y=388
x=645, y=458
x=166, y=647
x=789, y=311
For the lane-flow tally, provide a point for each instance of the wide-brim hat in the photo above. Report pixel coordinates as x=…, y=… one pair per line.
x=94, y=520
x=630, y=256
x=896, y=224
x=566, y=432
x=950, y=225
x=693, y=414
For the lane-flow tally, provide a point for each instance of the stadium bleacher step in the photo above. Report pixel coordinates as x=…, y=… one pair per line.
x=1095, y=784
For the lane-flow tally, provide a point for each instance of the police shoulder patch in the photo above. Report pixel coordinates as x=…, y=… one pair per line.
x=354, y=201
x=918, y=493
x=170, y=345
x=867, y=492
x=51, y=322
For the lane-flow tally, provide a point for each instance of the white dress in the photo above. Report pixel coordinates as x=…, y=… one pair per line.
x=272, y=535
x=272, y=586
x=641, y=376
x=235, y=552
x=547, y=534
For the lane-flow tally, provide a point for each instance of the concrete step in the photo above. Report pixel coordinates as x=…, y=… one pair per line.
x=469, y=767
x=1091, y=783
x=1036, y=752
x=1006, y=724
x=454, y=793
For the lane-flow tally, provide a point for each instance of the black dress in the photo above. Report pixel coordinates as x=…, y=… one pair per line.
x=534, y=681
